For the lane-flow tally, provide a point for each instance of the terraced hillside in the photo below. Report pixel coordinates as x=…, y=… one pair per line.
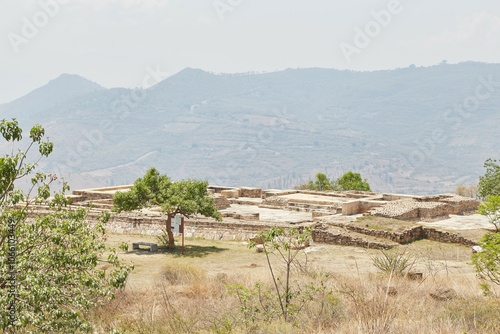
x=410, y=130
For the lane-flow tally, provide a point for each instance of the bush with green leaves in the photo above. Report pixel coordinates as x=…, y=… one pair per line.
x=348, y=181
x=491, y=209
x=50, y=275
x=353, y=181
x=489, y=183
x=487, y=261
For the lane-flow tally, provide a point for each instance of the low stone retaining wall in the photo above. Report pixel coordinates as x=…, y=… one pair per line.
x=230, y=193
x=411, y=235
x=247, y=216
x=442, y=236
x=321, y=234
x=250, y=192
x=127, y=223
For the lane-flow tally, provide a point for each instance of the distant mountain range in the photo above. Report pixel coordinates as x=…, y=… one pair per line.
x=409, y=130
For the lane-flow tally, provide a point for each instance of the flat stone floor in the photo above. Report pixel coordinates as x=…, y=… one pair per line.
x=308, y=198
x=457, y=222
x=270, y=215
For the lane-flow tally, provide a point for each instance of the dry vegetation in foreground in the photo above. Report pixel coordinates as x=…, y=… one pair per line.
x=224, y=287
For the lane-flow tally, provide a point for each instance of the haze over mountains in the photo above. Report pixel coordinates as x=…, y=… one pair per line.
x=410, y=130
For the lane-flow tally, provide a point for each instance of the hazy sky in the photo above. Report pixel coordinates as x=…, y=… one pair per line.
x=115, y=43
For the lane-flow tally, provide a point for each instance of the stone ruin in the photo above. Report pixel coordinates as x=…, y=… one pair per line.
x=425, y=208
x=318, y=204
x=248, y=210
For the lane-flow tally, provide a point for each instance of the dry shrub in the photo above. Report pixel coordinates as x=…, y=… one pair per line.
x=371, y=307
x=177, y=272
x=475, y=315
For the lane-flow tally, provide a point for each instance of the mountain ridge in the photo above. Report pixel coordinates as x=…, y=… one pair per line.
x=275, y=130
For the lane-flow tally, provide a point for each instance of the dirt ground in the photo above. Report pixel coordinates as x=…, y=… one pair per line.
x=235, y=258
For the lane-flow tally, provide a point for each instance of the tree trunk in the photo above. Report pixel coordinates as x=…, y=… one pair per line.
x=170, y=234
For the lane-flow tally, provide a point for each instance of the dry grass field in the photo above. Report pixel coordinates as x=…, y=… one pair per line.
x=226, y=287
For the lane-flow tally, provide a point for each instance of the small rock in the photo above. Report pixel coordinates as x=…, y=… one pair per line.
x=415, y=276
x=392, y=291
x=221, y=277
x=443, y=294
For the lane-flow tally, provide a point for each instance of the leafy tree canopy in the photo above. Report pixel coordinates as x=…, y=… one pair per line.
x=487, y=261
x=187, y=197
x=491, y=209
x=50, y=277
x=489, y=183
x=322, y=183
x=348, y=181
x=353, y=181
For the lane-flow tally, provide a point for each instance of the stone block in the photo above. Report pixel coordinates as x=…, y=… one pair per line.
x=250, y=192
x=351, y=208
x=232, y=193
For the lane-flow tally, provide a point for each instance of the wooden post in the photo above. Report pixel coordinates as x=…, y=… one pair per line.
x=182, y=231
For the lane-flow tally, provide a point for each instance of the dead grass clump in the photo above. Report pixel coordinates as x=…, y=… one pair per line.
x=370, y=309
x=474, y=314
x=178, y=272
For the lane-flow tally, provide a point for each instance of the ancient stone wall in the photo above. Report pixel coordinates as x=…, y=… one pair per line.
x=410, y=235
x=221, y=202
x=351, y=208
x=218, y=189
x=274, y=202
x=321, y=234
x=241, y=216
x=442, y=236
x=154, y=224
x=426, y=207
x=359, y=206
x=274, y=192
x=230, y=193
x=96, y=194
x=250, y=192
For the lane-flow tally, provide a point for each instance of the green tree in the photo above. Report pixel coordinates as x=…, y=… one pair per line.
x=491, y=209
x=321, y=183
x=187, y=197
x=489, y=183
x=49, y=264
x=353, y=181
x=487, y=261
x=348, y=181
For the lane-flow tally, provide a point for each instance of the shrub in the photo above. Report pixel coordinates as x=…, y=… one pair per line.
x=396, y=263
